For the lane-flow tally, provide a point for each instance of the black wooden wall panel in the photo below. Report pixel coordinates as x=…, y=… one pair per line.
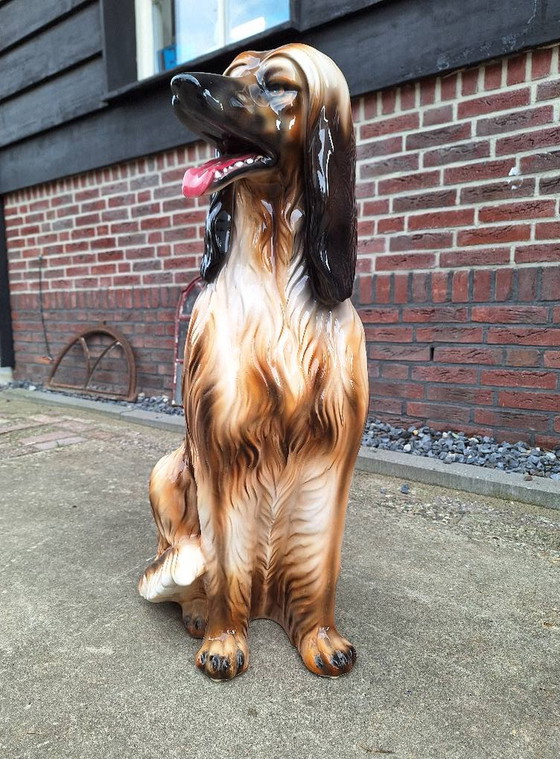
x=57, y=48
x=20, y=18
x=67, y=97
x=120, y=42
x=404, y=40
x=384, y=44
x=316, y=12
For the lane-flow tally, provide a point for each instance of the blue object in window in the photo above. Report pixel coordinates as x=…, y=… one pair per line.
x=167, y=57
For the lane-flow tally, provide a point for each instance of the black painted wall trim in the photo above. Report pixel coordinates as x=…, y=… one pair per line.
x=377, y=46
x=6, y=334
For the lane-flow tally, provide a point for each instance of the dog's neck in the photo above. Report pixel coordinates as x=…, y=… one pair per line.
x=268, y=229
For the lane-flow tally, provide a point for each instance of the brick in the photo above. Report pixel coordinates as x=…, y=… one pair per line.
x=427, y=91
x=490, y=235
x=451, y=415
x=528, y=141
x=438, y=219
x=519, y=378
x=530, y=401
x=375, y=207
x=459, y=355
x=405, y=261
x=493, y=76
x=440, y=136
x=541, y=61
x=379, y=148
x=448, y=374
x=482, y=285
x=399, y=352
x=389, y=334
x=510, y=314
x=549, y=90
x=537, y=253
x=527, y=284
x=440, y=287
x=515, y=120
x=395, y=371
x=424, y=200
x=390, y=224
x=512, y=420
x=552, y=359
x=516, y=69
x=392, y=126
x=379, y=315
x=419, y=287
x=418, y=314
x=459, y=286
x=469, y=81
x=400, y=288
x=421, y=241
x=449, y=334
x=497, y=102
x=547, y=161
x=548, y=231
x=549, y=185
x=397, y=389
x=497, y=191
x=442, y=114
x=460, y=395
x=468, y=151
x=409, y=182
x=524, y=335
x=475, y=257
x=408, y=96
x=412, y=261
x=527, y=209
x=526, y=357
x=382, y=287
x=393, y=165
x=448, y=85
x=388, y=101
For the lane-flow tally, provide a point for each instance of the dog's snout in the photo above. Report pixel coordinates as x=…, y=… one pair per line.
x=182, y=82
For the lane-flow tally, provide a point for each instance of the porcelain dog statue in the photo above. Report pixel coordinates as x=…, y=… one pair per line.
x=251, y=508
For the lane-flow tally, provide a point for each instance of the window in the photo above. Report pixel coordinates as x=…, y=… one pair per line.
x=170, y=32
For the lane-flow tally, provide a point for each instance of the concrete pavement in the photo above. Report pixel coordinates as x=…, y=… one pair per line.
x=452, y=601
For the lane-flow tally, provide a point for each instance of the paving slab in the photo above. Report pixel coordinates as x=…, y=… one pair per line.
x=451, y=599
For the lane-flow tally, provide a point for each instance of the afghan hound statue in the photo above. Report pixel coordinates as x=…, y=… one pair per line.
x=250, y=509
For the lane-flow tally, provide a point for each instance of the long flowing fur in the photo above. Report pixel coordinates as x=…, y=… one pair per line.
x=250, y=510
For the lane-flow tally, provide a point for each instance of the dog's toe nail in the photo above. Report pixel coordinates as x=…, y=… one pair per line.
x=339, y=659
x=319, y=662
x=240, y=659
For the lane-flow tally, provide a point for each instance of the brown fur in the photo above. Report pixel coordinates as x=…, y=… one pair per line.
x=275, y=397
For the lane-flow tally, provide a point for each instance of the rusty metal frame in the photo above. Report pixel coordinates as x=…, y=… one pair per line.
x=81, y=339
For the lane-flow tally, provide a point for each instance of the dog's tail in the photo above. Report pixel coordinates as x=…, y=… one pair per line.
x=177, y=567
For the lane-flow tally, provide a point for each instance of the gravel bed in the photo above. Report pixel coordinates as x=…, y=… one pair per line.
x=449, y=447
x=458, y=447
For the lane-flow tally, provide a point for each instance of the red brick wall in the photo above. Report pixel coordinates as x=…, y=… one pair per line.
x=458, y=276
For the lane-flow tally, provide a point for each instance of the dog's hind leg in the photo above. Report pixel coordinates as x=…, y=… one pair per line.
x=179, y=562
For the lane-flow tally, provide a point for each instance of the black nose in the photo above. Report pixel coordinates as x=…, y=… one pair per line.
x=182, y=83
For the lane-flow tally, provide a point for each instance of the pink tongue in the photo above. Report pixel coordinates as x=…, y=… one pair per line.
x=198, y=179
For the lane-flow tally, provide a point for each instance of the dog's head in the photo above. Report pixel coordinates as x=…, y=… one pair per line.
x=283, y=111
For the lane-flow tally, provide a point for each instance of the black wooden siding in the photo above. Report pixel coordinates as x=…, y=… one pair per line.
x=68, y=95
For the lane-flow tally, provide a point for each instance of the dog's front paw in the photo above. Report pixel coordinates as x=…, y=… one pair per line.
x=224, y=656
x=326, y=653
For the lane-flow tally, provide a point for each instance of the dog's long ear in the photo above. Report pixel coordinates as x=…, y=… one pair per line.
x=217, y=239
x=330, y=207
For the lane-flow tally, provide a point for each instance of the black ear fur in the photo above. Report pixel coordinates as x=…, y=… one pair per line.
x=330, y=247
x=217, y=238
